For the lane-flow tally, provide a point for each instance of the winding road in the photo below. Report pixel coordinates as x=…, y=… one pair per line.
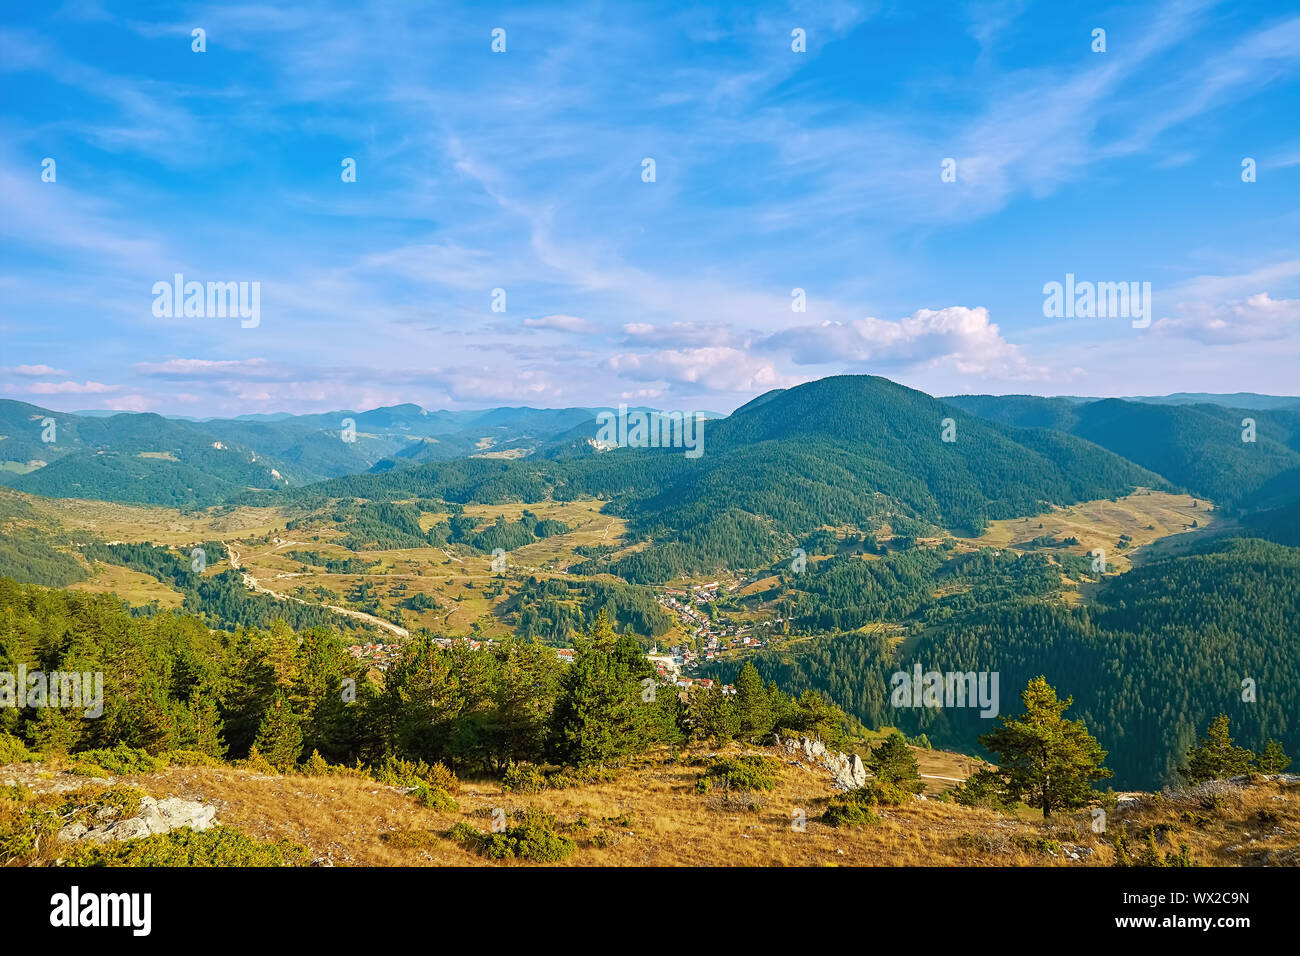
x=252, y=584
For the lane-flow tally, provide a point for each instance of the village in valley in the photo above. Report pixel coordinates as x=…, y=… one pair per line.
x=677, y=664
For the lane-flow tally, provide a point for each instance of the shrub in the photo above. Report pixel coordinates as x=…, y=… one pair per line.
x=218, y=846
x=845, y=813
x=532, y=838
x=527, y=842
x=524, y=778
x=435, y=798
x=13, y=750
x=529, y=778
x=877, y=793
x=854, y=808
x=739, y=773
x=414, y=773
x=121, y=760
x=257, y=763
x=190, y=758
x=315, y=766
x=464, y=833
x=82, y=769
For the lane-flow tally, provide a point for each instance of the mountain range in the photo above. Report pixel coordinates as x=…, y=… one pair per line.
x=845, y=450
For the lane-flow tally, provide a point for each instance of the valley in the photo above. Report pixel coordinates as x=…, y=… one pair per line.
x=1027, y=551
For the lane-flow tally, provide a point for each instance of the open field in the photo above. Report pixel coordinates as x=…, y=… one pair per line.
x=135, y=523
x=1144, y=516
x=134, y=587
x=463, y=585
x=651, y=815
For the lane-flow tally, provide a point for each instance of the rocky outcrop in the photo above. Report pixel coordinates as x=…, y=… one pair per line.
x=153, y=817
x=847, y=770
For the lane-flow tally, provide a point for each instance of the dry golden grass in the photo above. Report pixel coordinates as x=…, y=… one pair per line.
x=1144, y=516
x=651, y=812
x=1225, y=825
x=135, y=587
x=137, y=523
x=654, y=818
x=651, y=816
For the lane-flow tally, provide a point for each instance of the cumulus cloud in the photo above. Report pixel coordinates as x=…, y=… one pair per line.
x=489, y=385
x=1255, y=318
x=961, y=338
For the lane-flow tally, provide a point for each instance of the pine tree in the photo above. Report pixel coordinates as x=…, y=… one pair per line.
x=1273, y=759
x=1047, y=761
x=752, y=707
x=1215, y=757
x=892, y=761
x=279, y=739
x=203, y=727
x=712, y=716
x=599, y=715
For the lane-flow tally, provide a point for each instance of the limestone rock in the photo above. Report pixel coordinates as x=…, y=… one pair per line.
x=153, y=817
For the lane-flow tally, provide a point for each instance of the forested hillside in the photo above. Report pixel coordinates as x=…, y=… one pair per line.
x=850, y=450
x=171, y=683
x=1166, y=647
x=143, y=457
x=1197, y=447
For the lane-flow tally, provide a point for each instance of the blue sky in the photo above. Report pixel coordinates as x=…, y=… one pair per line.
x=522, y=171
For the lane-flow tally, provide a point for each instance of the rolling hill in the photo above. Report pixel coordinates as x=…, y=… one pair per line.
x=847, y=450
x=1198, y=447
x=147, y=458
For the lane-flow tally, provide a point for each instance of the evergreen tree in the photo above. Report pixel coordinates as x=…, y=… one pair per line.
x=600, y=716
x=892, y=761
x=1273, y=759
x=752, y=705
x=712, y=716
x=1215, y=757
x=202, y=727
x=279, y=739
x=1045, y=760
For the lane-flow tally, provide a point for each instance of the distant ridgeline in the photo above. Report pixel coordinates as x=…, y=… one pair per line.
x=1167, y=647
x=851, y=450
x=843, y=451
x=146, y=458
